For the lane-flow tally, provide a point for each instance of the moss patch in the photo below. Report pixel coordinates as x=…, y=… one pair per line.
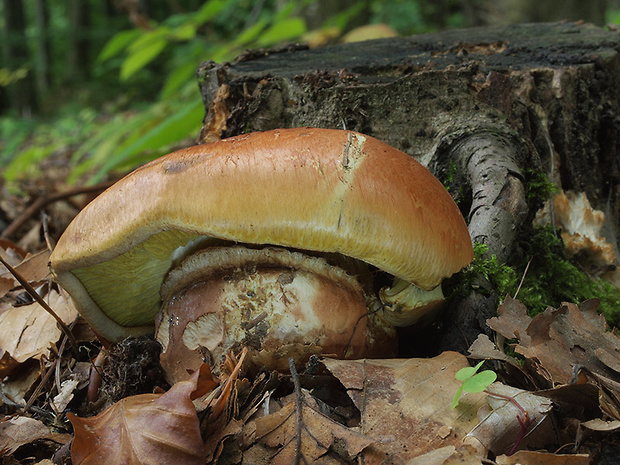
x=551, y=277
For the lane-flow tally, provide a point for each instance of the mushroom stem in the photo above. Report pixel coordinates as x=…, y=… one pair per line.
x=406, y=304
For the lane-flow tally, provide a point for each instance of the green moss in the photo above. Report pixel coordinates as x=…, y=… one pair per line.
x=449, y=179
x=537, y=186
x=502, y=278
x=551, y=277
x=450, y=174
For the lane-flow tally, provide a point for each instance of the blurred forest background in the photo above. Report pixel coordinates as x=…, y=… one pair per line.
x=91, y=87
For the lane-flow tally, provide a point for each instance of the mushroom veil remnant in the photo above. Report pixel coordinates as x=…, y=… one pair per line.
x=274, y=240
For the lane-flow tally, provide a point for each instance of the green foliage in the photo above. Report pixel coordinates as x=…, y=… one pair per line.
x=9, y=76
x=38, y=141
x=502, y=277
x=537, y=186
x=553, y=279
x=167, y=53
x=472, y=381
x=613, y=16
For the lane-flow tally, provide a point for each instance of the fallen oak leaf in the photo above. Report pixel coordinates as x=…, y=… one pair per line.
x=146, y=428
x=33, y=268
x=320, y=435
x=561, y=340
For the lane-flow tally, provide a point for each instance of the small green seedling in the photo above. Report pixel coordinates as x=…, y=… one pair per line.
x=471, y=381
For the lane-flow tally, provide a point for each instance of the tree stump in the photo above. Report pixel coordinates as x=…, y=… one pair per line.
x=487, y=110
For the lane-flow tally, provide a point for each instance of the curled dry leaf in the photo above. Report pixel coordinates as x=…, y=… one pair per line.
x=18, y=431
x=405, y=404
x=600, y=425
x=147, y=428
x=506, y=424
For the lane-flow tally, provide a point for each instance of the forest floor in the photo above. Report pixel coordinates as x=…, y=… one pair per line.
x=556, y=398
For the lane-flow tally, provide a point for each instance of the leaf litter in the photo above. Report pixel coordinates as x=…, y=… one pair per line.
x=564, y=364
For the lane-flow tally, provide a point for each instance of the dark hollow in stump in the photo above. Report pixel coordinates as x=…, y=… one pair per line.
x=481, y=108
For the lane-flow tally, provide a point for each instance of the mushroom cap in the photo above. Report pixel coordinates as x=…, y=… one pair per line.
x=311, y=189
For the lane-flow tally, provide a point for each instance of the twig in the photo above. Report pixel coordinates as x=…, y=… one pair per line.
x=44, y=380
x=527, y=267
x=350, y=341
x=46, y=231
x=35, y=295
x=45, y=200
x=298, y=410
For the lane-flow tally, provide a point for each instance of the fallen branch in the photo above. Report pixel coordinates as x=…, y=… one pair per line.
x=45, y=200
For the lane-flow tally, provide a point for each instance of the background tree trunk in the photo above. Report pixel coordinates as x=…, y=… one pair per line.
x=485, y=109
x=21, y=94
x=78, y=57
x=41, y=21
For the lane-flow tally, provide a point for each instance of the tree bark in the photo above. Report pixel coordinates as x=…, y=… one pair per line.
x=21, y=94
x=41, y=15
x=78, y=57
x=497, y=103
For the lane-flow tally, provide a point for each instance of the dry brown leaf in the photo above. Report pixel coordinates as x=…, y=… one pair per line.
x=321, y=438
x=20, y=384
x=33, y=268
x=77, y=377
x=484, y=349
x=502, y=427
x=449, y=455
x=18, y=431
x=526, y=457
x=147, y=428
x=29, y=331
x=561, y=340
x=405, y=405
x=600, y=425
x=6, y=284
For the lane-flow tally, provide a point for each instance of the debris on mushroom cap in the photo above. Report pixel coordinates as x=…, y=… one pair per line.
x=310, y=189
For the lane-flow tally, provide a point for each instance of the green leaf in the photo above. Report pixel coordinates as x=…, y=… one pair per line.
x=457, y=396
x=465, y=373
x=282, y=31
x=208, y=11
x=148, y=38
x=184, y=32
x=138, y=60
x=178, y=77
x=472, y=382
x=118, y=43
x=480, y=381
x=341, y=19
x=251, y=33
x=168, y=131
x=26, y=160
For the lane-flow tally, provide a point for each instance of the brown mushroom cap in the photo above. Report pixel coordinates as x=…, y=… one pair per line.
x=310, y=189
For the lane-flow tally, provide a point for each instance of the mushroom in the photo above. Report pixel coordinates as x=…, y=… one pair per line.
x=272, y=240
